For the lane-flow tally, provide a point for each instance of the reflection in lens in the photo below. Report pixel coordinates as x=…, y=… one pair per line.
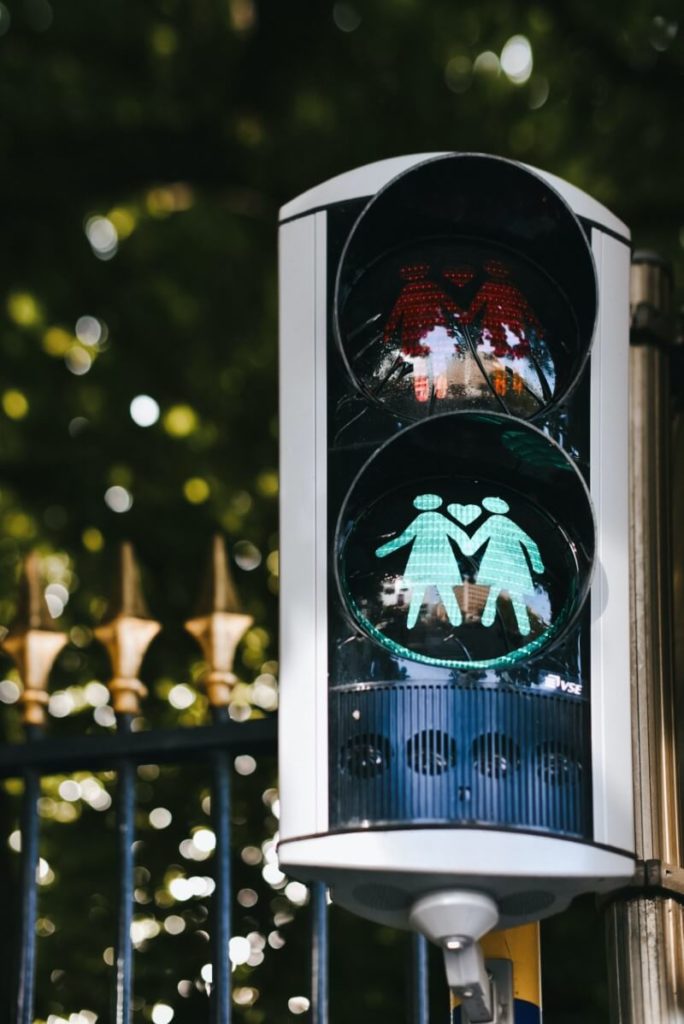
x=495, y=755
x=366, y=756
x=557, y=765
x=431, y=752
x=424, y=333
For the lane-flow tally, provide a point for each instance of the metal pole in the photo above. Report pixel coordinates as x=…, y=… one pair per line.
x=126, y=636
x=125, y=828
x=218, y=628
x=645, y=924
x=34, y=644
x=420, y=1005
x=29, y=897
x=221, y=1005
x=319, y=953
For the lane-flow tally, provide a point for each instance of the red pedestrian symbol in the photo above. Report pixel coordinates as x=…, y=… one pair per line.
x=423, y=321
x=507, y=317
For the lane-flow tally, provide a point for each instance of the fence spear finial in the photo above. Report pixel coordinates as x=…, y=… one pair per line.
x=219, y=626
x=127, y=635
x=33, y=642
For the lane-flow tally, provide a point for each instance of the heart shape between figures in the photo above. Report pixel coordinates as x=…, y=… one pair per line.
x=465, y=514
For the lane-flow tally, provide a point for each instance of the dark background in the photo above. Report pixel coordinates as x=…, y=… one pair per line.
x=185, y=126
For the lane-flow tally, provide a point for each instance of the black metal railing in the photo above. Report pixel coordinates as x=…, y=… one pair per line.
x=122, y=751
x=216, y=746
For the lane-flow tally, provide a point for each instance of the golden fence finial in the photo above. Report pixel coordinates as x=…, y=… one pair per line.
x=219, y=626
x=33, y=642
x=127, y=635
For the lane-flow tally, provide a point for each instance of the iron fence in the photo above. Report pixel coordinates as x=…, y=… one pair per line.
x=215, y=745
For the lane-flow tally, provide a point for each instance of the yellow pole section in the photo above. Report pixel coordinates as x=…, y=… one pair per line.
x=521, y=946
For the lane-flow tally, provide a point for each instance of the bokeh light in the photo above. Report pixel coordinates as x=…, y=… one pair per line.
x=247, y=555
x=245, y=764
x=105, y=716
x=15, y=404
x=516, y=59
x=346, y=17
x=239, y=950
x=160, y=817
x=144, y=410
x=124, y=220
x=118, y=499
x=102, y=236
x=486, y=63
x=24, y=309
x=298, y=1004
x=78, y=361
x=196, y=490
x=162, y=1013
x=174, y=924
x=244, y=995
x=204, y=839
x=181, y=696
x=96, y=694
x=92, y=539
x=180, y=421
x=89, y=330
x=9, y=691
x=57, y=341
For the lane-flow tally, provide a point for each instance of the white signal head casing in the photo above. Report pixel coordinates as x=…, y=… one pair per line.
x=402, y=774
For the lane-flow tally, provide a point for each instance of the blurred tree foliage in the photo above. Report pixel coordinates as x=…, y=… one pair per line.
x=144, y=151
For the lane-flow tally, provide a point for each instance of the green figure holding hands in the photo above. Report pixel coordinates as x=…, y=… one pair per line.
x=504, y=566
x=432, y=562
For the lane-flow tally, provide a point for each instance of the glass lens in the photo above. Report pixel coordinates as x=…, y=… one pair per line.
x=448, y=325
x=466, y=542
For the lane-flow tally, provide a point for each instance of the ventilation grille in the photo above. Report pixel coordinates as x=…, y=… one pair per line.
x=449, y=754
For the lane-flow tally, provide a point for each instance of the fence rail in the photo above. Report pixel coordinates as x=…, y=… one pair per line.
x=215, y=745
x=163, y=746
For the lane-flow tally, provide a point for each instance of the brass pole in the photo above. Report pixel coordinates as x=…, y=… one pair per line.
x=645, y=924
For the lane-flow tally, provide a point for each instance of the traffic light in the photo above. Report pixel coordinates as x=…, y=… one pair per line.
x=455, y=678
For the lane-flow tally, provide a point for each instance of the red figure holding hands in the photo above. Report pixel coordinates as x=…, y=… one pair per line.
x=508, y=317
x=423, y=318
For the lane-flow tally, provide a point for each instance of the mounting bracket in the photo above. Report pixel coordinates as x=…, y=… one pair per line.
x=500, y=974
x=456, y=920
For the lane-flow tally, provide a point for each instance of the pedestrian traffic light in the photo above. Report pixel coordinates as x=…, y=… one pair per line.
x=455, y=691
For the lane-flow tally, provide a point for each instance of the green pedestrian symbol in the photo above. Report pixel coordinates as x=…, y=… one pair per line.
x=432, y=562
x=504, y=567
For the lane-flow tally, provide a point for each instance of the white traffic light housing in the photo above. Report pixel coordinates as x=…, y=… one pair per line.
x=455, y=693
